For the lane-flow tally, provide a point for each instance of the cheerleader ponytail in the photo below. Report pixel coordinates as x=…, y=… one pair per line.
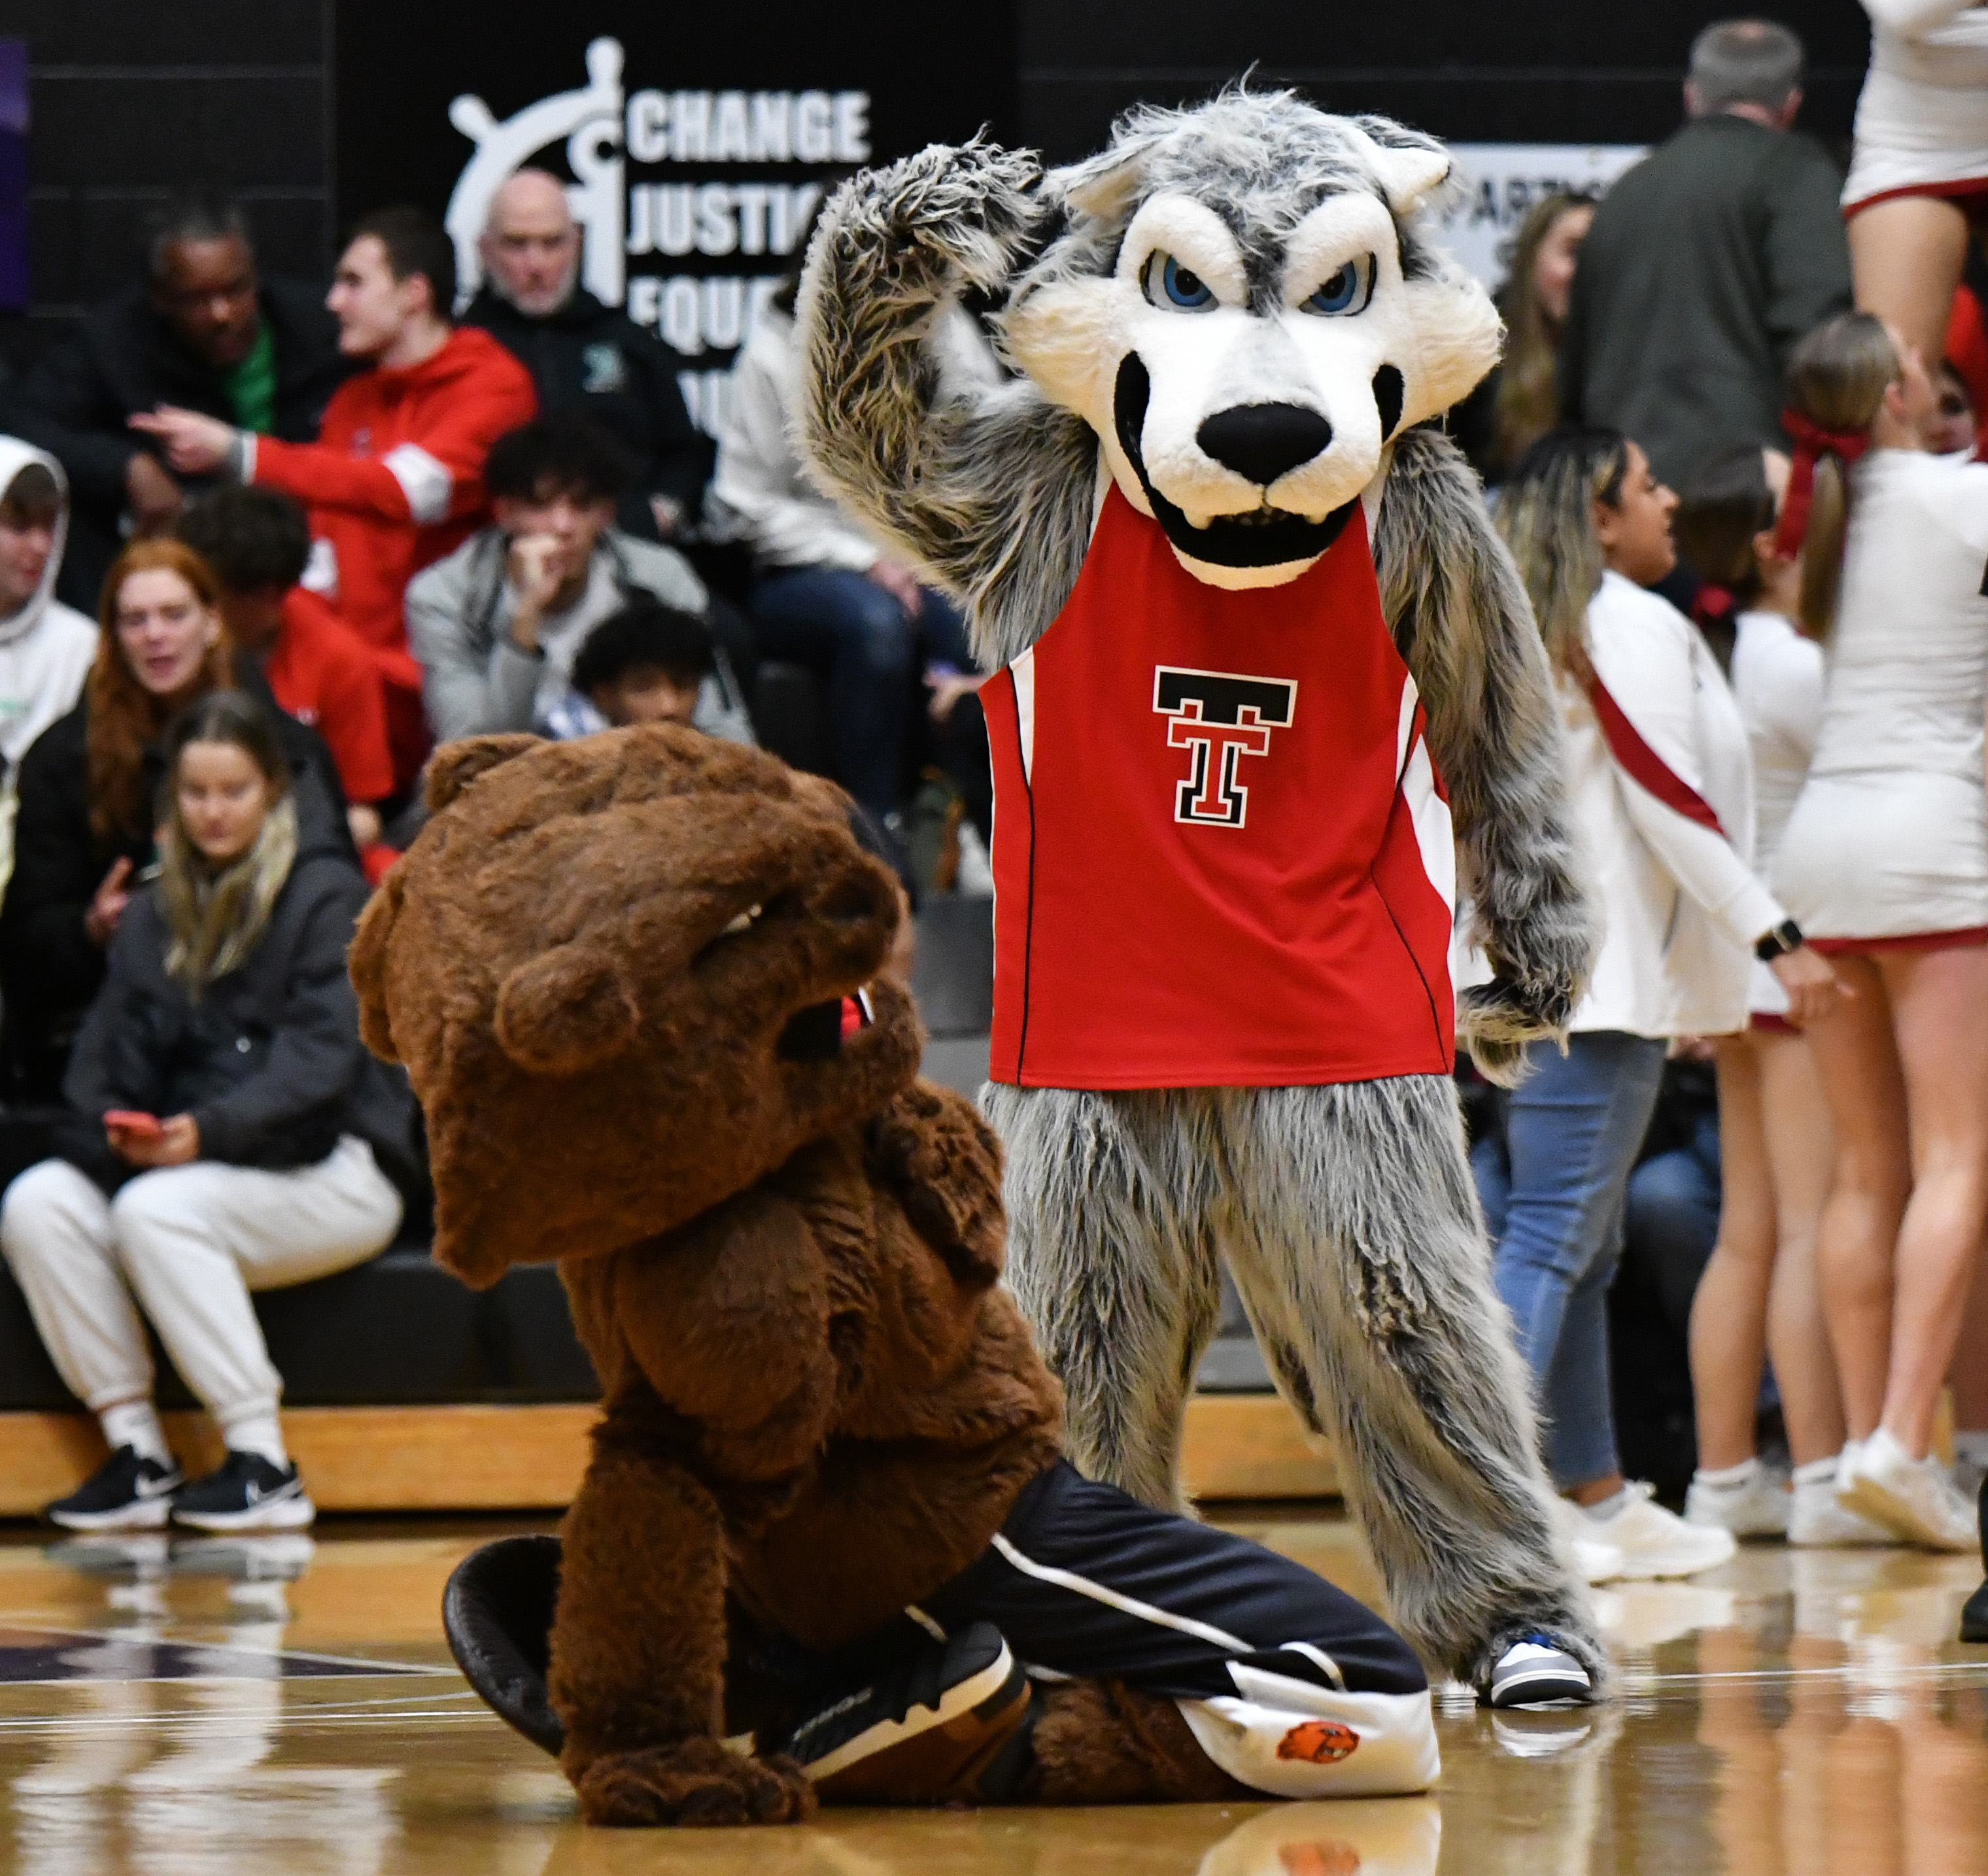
x=1836, y=381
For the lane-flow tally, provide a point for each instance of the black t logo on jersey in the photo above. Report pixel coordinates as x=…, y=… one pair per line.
x=1222, y=716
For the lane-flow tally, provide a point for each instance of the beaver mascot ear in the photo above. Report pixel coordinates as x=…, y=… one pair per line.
x=455, y=764
x=367, y=966
x=569, y=1008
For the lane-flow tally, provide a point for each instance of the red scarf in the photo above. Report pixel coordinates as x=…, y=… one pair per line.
x=1812, y=443
x=1713, y=606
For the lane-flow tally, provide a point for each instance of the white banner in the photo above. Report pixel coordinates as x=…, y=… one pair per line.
x=1501, y=181
x=693, y=259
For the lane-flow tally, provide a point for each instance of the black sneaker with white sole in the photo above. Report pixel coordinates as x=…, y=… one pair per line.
x=247, y=1494
x=921, y=1731
x=1536, y=1670
x=125, y=1493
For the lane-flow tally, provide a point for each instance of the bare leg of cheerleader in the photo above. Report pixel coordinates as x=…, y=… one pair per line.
x=1905, y=259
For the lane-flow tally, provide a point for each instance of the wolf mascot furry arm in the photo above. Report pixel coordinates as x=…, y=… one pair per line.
x=994, y=490
x=1226, y=327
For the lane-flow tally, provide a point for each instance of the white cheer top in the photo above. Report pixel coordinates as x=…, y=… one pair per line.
x=1889, y=838
x=1662, y=791
x=1922, y=115
x=1777, y=682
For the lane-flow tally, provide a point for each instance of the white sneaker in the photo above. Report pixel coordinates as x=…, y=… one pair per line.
x=1817, y=1522
x=1657, y=1543
x=1914, y=1498
x=1755, y=1506
x=1594, y=1561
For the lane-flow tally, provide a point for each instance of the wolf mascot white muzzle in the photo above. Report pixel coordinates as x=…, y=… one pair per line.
x=1250, y=626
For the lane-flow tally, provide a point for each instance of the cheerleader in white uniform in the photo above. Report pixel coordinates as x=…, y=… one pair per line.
x=1884, y=863
x=1919, y=172
x=1760, y=1290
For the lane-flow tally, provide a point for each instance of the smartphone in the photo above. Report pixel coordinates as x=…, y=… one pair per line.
x=146, y=1126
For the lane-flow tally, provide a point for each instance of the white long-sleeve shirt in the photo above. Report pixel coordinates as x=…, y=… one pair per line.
x=1662, y=788
x=759, y=492
x=1778, y=681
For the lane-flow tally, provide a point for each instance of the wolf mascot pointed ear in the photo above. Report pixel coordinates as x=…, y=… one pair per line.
x=1267, y=690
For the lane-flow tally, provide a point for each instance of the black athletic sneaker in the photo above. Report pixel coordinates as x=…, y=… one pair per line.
x=125, y=1493
x=247, y=1494
x=1974, y=1616
x=921, y=1732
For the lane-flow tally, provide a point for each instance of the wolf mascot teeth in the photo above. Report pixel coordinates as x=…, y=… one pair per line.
x=1257, y=647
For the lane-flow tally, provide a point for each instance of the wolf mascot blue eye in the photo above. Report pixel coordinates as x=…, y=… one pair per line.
x=1170, y=284
x=1348, y=291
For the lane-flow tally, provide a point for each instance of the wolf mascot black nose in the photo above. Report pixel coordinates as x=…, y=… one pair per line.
x=1263, y=441
x=1224, y=1023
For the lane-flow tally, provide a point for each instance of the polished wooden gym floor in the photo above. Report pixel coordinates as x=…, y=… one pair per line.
x=284, y=1707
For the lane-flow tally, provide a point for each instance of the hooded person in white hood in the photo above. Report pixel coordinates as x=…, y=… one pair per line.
x=45, y=648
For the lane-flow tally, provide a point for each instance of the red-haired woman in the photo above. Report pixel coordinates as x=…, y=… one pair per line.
x=88, y=814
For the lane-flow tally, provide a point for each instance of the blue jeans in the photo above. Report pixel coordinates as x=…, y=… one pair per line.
x=848, y=628
x=1574, y=1127
x=1671, y=1222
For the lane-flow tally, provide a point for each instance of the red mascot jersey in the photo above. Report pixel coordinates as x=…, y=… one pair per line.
x=1223, y=857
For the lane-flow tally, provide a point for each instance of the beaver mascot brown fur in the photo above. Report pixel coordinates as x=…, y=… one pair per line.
x=636, y=982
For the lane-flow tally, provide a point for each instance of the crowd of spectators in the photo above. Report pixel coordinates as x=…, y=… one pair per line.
x=321, y=533
x=1775, y=748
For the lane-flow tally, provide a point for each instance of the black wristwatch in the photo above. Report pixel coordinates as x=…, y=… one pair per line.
x=1786, y=937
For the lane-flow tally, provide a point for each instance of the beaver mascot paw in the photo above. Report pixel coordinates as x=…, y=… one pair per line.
x=638, y=982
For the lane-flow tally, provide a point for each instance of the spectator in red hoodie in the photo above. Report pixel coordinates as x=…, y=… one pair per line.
x=395, y=480
x=256, y=542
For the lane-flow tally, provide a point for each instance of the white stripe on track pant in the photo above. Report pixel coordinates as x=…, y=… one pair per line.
x=1289, y=1685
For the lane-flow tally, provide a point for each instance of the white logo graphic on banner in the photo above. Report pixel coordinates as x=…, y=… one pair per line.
x=664, y=229
x=590, y=122
x=1501, y=181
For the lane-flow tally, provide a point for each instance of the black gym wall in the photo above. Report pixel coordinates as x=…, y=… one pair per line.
x=131, y=99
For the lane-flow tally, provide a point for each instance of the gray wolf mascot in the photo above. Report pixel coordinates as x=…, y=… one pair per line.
x=1265, y=683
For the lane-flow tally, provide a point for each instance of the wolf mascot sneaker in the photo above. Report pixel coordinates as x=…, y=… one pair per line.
x=1536, y=1669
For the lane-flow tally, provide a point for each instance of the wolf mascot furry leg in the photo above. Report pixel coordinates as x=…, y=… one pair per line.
x=1223, y=328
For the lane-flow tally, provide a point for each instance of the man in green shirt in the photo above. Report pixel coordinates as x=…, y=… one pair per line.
x=1707, y=262
x=207, y=332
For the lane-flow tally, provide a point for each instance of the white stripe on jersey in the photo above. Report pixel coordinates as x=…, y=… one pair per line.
x=1023, y=672
x=426, y=482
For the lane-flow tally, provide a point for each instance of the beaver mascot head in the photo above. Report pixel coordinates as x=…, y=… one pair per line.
x=648, y=963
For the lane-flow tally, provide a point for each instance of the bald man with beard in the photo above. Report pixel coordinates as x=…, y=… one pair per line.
x=587, y=356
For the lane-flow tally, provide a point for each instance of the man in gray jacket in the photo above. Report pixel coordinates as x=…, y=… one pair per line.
x=496, y=624
x=1707, y=262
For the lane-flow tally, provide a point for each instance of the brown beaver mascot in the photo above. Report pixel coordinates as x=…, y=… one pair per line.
x=825, y=1544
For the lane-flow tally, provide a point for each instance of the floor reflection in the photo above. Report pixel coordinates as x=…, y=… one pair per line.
x=136, y=1773
x=1794, y=1714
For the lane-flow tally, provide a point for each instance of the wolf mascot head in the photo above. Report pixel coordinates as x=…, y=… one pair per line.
x=1240, y=305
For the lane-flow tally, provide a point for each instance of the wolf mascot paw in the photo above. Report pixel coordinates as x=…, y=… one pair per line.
x=1269, y=704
